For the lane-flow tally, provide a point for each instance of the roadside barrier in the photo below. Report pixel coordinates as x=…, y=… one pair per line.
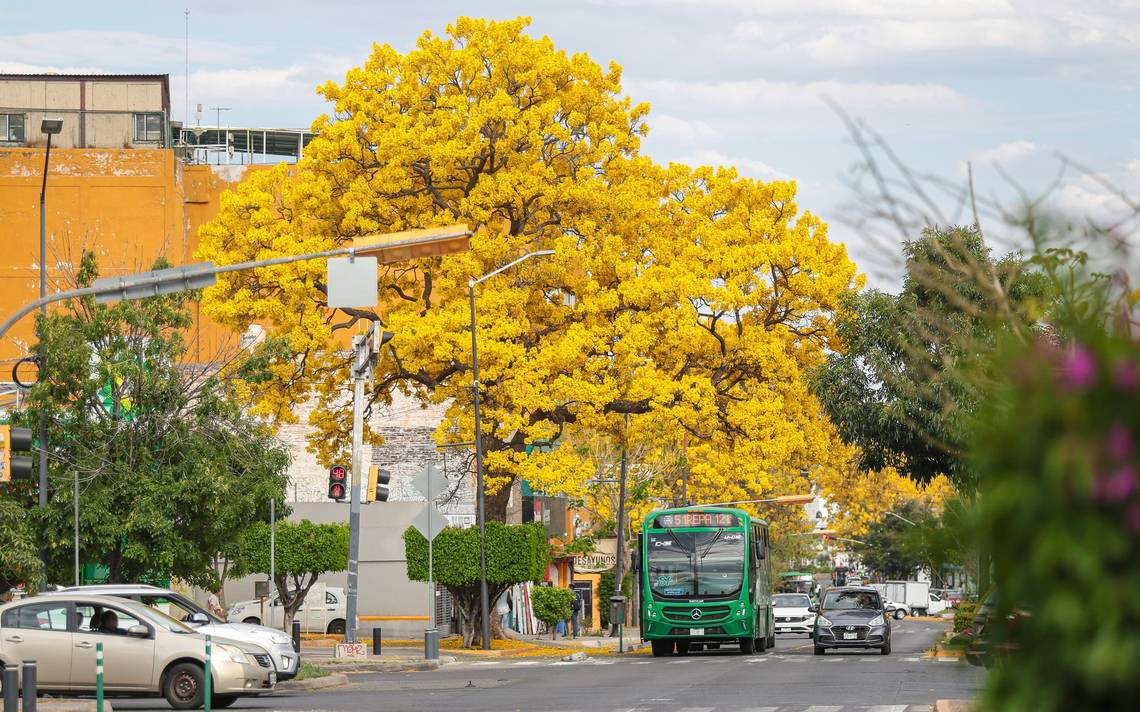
x=30, y=675
x=98, y=677
x=11, y=689
x=208, y=683
x=375, y=641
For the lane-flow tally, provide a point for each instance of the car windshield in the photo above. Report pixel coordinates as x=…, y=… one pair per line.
x=685, y=564
x=161, y=619
x=851, y=600
x=177, y=607
x=790, y=600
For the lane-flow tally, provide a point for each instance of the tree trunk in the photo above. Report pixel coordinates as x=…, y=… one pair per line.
x=497, y=503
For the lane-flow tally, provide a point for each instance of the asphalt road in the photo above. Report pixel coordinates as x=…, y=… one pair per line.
x=787, y=679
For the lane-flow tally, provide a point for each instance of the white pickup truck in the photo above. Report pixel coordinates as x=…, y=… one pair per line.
x=322, y=612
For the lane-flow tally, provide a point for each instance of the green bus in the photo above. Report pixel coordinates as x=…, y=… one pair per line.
x=705, y=581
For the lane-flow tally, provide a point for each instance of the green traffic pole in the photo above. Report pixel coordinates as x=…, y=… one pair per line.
x=208, y=681
x=99, y=677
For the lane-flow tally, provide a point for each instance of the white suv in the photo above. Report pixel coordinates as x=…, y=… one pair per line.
x=279, y=646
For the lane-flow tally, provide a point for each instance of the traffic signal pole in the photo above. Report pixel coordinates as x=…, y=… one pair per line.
x=361, y=367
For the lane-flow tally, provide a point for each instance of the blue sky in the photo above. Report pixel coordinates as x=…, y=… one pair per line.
x=1006, y=83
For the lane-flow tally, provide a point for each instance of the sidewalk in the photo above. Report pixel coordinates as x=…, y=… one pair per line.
x=630, y=636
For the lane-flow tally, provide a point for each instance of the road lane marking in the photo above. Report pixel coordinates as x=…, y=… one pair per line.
x=888, y=708
x=824, y=708
x=679, y=662
x=696, y=709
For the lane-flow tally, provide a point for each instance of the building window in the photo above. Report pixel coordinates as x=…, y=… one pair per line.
x=12, y=127
x=148, y=128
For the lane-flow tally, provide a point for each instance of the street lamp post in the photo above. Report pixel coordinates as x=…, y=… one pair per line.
x=481, y=506
x=49, y=127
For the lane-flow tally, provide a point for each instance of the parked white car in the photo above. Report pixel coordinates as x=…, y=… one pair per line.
x=279, y=645
x=322, y=612
x=793, y=613
x=899, y=610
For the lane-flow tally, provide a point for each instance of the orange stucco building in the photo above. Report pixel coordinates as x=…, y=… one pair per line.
x=130, y=206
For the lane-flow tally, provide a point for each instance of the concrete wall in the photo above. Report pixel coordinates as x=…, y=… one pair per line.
x=129, y=206
x=96, y=112
x=384, y=586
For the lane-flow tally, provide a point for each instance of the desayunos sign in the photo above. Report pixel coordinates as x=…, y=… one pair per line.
x=603, y=557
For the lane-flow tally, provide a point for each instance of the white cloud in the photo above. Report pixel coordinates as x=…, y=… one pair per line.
x=745, y=166
x=128, y=52
x=856, y=96
x=1005, y=153
x=665, y=126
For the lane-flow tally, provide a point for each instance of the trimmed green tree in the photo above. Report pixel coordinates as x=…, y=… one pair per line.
x=304, y=552
x=551, y=604
x=515, y=554
x=19, y=560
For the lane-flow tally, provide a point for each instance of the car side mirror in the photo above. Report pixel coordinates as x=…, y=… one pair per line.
x=138, y=631
x=197, y=617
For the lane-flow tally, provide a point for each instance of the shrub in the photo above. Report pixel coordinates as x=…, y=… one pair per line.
x=964, y=615
x=551, y=605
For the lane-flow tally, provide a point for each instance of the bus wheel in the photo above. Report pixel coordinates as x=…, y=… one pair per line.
x=761, y=644
x=661, y=648
x=747, y=646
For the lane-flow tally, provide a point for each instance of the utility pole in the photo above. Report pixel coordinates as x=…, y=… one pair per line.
x=615, y=626
x=363, y=361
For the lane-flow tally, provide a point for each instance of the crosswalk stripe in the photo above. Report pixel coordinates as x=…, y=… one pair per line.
x=824, y=708
x=696, y=709
x=887, y=708
x=760, y=709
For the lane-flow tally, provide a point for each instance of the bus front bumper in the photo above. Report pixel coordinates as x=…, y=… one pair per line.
x=720, y=630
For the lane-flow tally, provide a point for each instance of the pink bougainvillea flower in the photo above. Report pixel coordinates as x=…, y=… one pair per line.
x=1120, y=442
x=1078, y=370
x=1119, y=485
x=1126, y=376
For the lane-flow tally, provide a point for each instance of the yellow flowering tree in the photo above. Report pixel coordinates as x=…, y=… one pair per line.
x=691, y=296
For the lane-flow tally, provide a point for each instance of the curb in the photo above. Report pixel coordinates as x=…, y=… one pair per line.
x=365, y=666
x=316, y=683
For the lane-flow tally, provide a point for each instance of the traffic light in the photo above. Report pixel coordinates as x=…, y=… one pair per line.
x=378, y=484
x=338, y=482
x=14, y=467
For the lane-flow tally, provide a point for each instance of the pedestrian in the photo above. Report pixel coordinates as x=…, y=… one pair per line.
x=575, y=613
x=214, y=603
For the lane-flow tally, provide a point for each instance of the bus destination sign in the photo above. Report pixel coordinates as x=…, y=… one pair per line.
x=696, y=519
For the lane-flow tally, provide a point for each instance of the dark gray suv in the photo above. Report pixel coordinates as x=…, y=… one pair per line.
x=852, y=617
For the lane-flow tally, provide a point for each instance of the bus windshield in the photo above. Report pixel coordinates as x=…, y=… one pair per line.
x=686, y=564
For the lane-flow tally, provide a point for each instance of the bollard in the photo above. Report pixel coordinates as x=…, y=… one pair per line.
x=431, y=644
x=296, y=636
x=11, y=689
x=375, y=641
x=29, y=686
x=208, y=682
x=98, y=677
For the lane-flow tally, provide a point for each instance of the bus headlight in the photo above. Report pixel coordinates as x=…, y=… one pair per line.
x=742, y=611
x=650, y=612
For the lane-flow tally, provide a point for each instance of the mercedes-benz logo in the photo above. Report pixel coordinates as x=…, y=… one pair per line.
x=696, y=614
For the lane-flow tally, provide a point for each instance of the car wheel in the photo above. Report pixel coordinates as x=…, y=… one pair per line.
x=886, y=649
x=221, y=701
x=820, y=650
x=252, y=620
x=336, y=627
x=683, y=647
x=182, y=687
x=661, y=648
x=900, y=614
x=747, y=646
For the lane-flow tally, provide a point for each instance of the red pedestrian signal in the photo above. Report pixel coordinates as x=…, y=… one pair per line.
x=338, y=482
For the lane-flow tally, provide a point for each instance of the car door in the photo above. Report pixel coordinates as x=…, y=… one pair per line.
x=41, y=631
x=315, y=618
x=128, y=661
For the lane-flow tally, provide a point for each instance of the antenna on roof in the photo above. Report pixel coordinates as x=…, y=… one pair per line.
x=186, y=79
